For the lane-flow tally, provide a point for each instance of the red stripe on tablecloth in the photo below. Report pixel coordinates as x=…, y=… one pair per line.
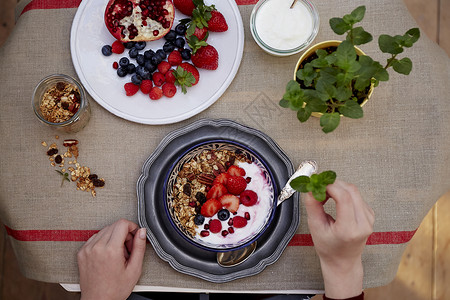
x=55, y=4
x=377, y=238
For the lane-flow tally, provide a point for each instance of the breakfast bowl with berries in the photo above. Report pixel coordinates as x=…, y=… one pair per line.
x=220, y=195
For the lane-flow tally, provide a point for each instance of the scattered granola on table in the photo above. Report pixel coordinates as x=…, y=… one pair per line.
x=70, y=169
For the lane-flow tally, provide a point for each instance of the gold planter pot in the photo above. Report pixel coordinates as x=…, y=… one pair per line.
x=323, y=45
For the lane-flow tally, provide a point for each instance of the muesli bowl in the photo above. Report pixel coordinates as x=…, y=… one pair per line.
x=196, y=169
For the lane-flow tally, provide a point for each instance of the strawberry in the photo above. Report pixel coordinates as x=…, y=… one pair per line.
x=163, y=67
x=210, y=207
x=230, y=202
x=146, y=86
x=175, y=58
x=217, y=23
x=239, y=222
x=200, y=33
x=155, y=93
x=186, y=75
x=248, y=198
x=206, y=57
x=131, y=88
x=222, y=178
x=236, y=171
x=117, y=47
x=216, y=191
x=169, y=89
x=170, y=77
x=215, y=226
x=236, y=185
x=158, y=78
x=184, y=6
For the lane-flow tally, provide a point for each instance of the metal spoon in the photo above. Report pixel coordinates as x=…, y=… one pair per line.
x=293, y=3
x=236, y=257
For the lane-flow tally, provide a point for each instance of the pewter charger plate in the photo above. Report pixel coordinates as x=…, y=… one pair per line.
x=177, y=251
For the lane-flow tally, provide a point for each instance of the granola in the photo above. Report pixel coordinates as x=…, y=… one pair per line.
x=195, y=179
x=67, y=162
x=60, y=102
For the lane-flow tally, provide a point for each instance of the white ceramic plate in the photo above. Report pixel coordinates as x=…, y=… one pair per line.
x=89, y=34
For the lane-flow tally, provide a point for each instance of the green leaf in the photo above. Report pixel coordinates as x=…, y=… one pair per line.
x=343, y=93
x=389, y=44
x=321, y=53
x=344, y=79
x=284, y=103
x=369, y=69
x=327, y=177
x=307, y=74
x=359, y=36
x=303, y=114
x=294, y=95
x=346, y=57
x=339, y=26
x=300, y=184
x=403, y=66
x=326, y=90
x=315, y=104
x=410, y=37
x=319, y=63
x=358, y=13
x=320, y=194
x=351, y=109
x=330, y=121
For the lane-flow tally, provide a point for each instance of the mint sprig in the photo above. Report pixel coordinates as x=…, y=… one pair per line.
x=65, y=176
x=317, y=184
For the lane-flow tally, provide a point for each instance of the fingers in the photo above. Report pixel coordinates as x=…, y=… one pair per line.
x=121, y=231
x=314, y=209
x=341, y=193
x=137, y=254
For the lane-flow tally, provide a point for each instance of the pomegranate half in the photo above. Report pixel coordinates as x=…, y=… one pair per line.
x=139, y=20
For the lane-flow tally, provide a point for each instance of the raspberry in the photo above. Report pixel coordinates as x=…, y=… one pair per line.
x=155, y=93
x=175, y=58
x=158, y=78
x=169, y=89
x=163, y=67
x=117, y=47
x=146, y=86
x=170, y=77
x=239, y=222
x=215, y=226
x=131, y=88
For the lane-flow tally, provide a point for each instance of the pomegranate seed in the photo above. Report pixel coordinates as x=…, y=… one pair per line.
x=247, y=215
x=155, y=32
x=204, y=233
x=206, y=226
x=230, y=230
x=115, y=65
x=230, y=222
x=224, y=233
x=248, y=179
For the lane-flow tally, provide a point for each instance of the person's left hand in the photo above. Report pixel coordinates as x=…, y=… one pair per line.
x=110, y=262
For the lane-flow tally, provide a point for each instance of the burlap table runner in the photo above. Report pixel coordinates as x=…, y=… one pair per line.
x=398, y=154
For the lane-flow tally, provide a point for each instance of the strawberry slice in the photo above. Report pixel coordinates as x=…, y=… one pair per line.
x=215, y=226
x=222, y=178
x=230, y=202
x=239, y=222
x=216, y=191
x=210, y=207
x=248, y=198
x=236, y=171
x=236, y=185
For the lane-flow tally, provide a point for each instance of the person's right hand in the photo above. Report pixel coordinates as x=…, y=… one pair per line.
x=339, y=243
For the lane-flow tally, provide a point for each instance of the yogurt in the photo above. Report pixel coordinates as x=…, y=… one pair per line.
x=281, y=27
x=259, y=213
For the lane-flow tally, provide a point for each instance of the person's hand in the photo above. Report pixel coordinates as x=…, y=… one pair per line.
x=339, y=243
x=110, y=262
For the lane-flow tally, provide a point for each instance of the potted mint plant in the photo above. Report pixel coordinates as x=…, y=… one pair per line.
x=334, y=79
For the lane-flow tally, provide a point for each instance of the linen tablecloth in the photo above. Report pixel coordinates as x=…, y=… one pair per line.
x=398, y=154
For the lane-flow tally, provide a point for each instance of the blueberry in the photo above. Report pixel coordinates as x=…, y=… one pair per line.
x=161, y=54
x=149, y=54
x=180, y=29
x=140, y=45
x=131, y=68
x=107, y=50
x=149, y=66
x=186, y=54
x=143, y=72
x=129, y=45
x=223, y=214
x=168, y=47
x=179, y=42
x=171, y=36
x=124, y=61
x=155, y=60
x=140, y=59
x=121, y=72
x=133, y=53
x=199, y=219
x=136, y=79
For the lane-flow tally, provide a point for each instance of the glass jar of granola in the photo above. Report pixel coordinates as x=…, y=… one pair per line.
x=60, y=102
